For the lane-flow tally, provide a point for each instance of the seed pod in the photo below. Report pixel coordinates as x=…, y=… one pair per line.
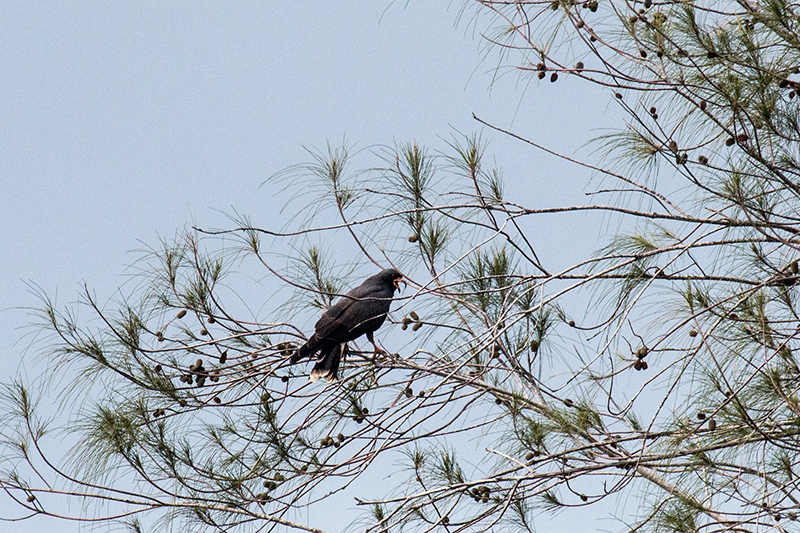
x=404, y=327
x=217, y=399
x=31, y=498
x=157, y=369
x=633, y=19
x=703, y=105
x=642, y=352
x=655, y=116
x=201, y=381
x=203, y=332
x=637, y=365
x=409, y=392
x=160, y=336
x=660, y=53
x=359, y=419
x=413, y=315
x=495, y=350
x=340, y=436
x=406, y=321
x=304, y=468
x=643, y=54
x=683, y=53
x=421, y=394
x=701, y=415
x=730, y=142
x=413, y=238
x=416, y=326
x=323, y=442
x=712, y=425
x=569, y=403
x=529, y=456
x=673, y=146
x=553, y=77
x=498, y=401
x=541, y=75
x=584, y=498
x=742, y=137
x=618, y=96
x=285, y=378
x=653, y=110
x=534, y=345
x=198, y=364
x=648, y=3
x=364, y=411
x=579, y=24
x=703, y=160
x=181, y=313
x=223, y=357
x=572, y=323
x=783, y=83
x=211, y=320
x=592, y=38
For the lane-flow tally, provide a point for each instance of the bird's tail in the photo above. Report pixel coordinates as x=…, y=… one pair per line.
x=327, y=364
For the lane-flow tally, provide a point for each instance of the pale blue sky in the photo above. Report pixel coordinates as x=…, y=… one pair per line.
x=120, y=122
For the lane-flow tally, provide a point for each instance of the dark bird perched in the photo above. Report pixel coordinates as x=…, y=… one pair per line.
x=360, y=311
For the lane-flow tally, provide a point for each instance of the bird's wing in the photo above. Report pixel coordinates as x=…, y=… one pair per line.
x=338, y=322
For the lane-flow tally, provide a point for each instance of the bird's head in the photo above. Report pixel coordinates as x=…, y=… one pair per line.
x=392, y=277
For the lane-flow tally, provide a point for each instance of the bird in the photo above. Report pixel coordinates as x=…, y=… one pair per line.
x=362, y=310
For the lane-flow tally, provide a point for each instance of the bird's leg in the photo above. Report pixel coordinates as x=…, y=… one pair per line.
x=377, y=349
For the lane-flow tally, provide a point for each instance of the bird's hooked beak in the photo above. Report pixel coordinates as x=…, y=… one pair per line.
x=397, y=283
